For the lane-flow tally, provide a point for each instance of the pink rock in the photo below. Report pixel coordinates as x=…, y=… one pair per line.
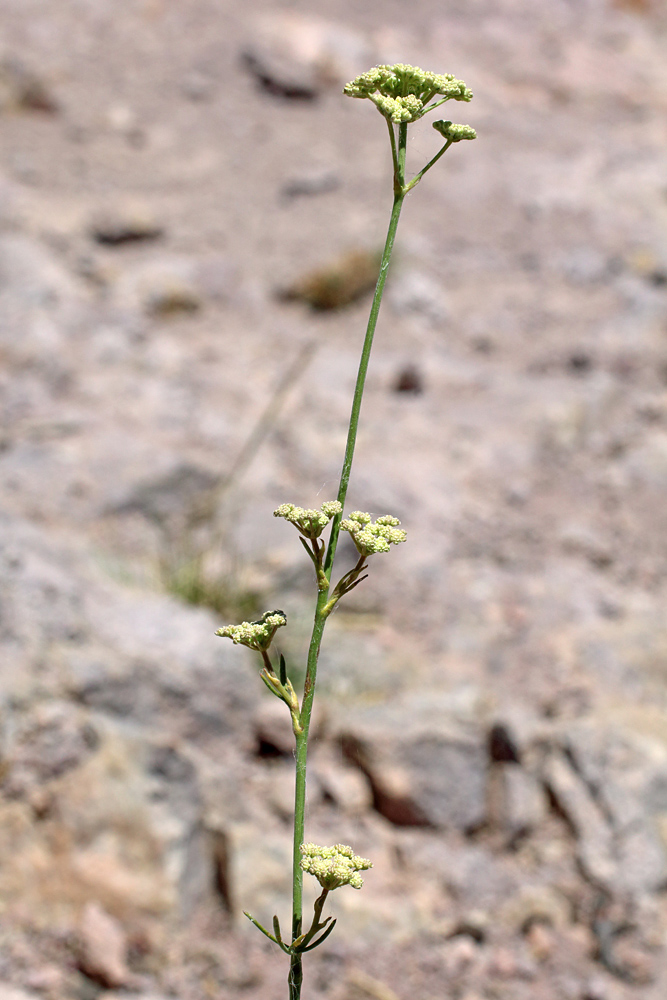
x=103, y=945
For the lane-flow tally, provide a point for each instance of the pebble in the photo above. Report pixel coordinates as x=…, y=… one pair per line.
x=120, y=224
x=103, y=943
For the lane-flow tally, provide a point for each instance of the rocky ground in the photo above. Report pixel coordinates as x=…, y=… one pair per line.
x=182, y=186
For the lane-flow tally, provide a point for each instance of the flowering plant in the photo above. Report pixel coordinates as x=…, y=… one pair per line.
x=402, y=94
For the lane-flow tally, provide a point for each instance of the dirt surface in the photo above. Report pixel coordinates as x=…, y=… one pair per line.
x=175, y=180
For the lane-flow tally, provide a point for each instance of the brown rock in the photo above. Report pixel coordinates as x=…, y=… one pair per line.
x=338, y=283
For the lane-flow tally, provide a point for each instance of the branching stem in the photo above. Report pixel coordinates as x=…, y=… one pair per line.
x=321, y=614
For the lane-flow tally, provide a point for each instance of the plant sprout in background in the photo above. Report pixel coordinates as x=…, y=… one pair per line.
x=402, y=94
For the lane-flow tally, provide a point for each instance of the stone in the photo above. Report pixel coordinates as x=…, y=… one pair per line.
x=646, y=464
x=273, y=729
x=361, y=985
x=541, y=941
x=258, y=874
x=409, y=380
x=103, y=947
x=129, y=825
x=620, y=772
x=518, y=802
x=601, y=987
x=578, y=539
x=311, y=182
x=125, y=223
x=604, y=795
x=9, y=992
x=23, y=89
x=176, y=499
x=538, y=904
x=346, y=786
x=47, y=979
x=198, y=86
x=337, y=284
x=161, y=287
x=459, y=954
x=44, y=745
x=424, y=767
x=134, y=996
x=38, y=294
x=594, y=837
x=296, y=56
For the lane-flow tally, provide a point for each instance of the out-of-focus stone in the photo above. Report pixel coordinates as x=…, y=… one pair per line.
x=578, y=539
x=258, y=875
x=125, y=223
x=23, y=89
x=425, y=768
x=595, y=840
x=123, y=828
x=103, y=947
x=338, y=284
x=176, y=500
x=459, y=954
x=361, y=986
x=608, y=789
x=344, y=785
x=47, y=979
x=601, y=987
x=540, y=941
x=134, y=996
x=49, y=742
x=517, y=800
x=311, y=182
x=273, y=729
x=162, y=287
x=646, y=464
x=295, y=56
x=535, y=904
x=8, y=992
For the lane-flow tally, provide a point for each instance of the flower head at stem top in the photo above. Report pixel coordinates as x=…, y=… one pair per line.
x=334, y=866
x=309, y=522
x=256, y=635
x=373, y=536
x=402, y=92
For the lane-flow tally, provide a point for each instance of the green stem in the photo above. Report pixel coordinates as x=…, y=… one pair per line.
x=321, y=614
x=416, y=179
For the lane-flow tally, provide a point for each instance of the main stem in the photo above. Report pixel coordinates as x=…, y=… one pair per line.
x=296, y=969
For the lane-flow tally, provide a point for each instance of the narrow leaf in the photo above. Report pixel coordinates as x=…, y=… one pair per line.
x=320, y=939
x=259, y=927
x=276, y=930
x=308, y=549
x=270, y=686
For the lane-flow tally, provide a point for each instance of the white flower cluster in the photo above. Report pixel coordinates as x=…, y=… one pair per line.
x=311, y=523
x=455, y=133
x=334, y=866
x=373, y=536
x=255, y=635
x=401, y=92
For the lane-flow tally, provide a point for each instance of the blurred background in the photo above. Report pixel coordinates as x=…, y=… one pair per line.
x=190, y=220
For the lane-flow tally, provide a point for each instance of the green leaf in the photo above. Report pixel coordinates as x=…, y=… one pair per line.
x=320, y=939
